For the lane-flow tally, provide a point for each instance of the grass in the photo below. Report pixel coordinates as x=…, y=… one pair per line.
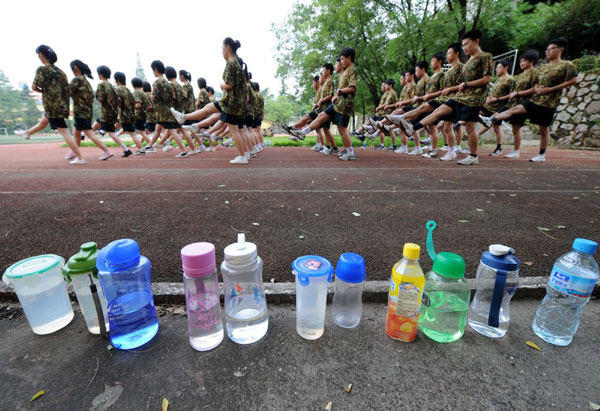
x=14, y=139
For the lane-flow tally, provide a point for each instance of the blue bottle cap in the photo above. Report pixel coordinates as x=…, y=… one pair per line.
x=500, y=257
x=585, y=246
x=351, y=268
x=122, y=253
x=311, y=266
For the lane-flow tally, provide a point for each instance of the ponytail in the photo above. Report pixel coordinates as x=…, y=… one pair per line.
x=234, y=44
x=186, y=75
x=82, y=67
x=47, y=52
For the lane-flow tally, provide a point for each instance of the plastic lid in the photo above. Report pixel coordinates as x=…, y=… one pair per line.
x=312, y=266
x=33, y=266
x=198, y=259
x=500, y=257
x=122, y=253
x=412, y=251
x=449, y=265
x=82, y=262
x=240, y=253
x=585, y=246
x=351, y=268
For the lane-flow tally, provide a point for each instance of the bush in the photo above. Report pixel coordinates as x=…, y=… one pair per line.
x=587, y=63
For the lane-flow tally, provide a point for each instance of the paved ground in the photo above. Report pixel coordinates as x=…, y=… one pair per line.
x=283, y=371
x=292, y=201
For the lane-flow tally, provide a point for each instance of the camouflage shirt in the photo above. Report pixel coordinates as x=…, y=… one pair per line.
x=260, y=106
x=150, y=108
x=190, y=100
x=126, y=105
x=451, y=79
x=550, y=75
x=436, y=83
x=203, y=99
x=83, y=98
x=408, y=92
x=345, y=103
x=502, y=87
x=234, y=100
x=325, y=90
x=180, y=100
x=164, y=95
x=140, y=97
x=476, y=68
x=251, y=102
x=389, y=97
x=109, y=102
x=421, y=88
x=524, y=81
x=54, y=85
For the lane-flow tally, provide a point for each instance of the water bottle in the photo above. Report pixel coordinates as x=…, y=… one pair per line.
x=569, y=288
x=446, y=295
x=350, y=276
x=497, y=281
x=201, y=283
x=246, y=316
x=125, y=280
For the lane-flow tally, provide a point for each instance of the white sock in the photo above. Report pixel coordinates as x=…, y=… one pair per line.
x=305, y=130
x=350, y=150
x=124, y=147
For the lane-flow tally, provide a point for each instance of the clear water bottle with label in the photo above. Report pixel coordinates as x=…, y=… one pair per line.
x=569, y=288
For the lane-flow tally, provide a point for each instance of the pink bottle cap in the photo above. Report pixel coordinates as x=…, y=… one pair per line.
x=198, y=259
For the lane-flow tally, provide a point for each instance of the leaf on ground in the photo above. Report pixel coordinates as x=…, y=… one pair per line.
x=255, y=224
x=221, y=186
x=463, y=221
x=355, y=214
x=512, y=195
x=37, y=395
x=594, y=406
x=109, y=347
x=272, y=280
x=544, y=229
x=299, y=209
x=533, y=345
x=329, y=406
x=301, y=237
x=349, y=388
x=316, y=215
x=479, y=209
x=165, y=404
x=528, y=263
x=226, y=202
x=561, y=227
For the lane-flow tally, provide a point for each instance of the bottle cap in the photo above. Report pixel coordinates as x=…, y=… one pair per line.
x=351, y=268
x=83, y=262
x=585, y=246
x=198, y=259
x=240, y=253
x=32, y=266
x=310, y=266
x=122, y=253
x=412, y=251
x=500, y=257
x=449, y=265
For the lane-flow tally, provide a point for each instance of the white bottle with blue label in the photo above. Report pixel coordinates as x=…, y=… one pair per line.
x=569, y=288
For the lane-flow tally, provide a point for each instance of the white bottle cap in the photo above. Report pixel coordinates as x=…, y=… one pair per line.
x=240, y=253
x=499, y=250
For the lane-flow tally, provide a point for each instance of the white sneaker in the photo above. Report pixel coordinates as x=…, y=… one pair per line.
x=212, y=149
x=167, y=148
x=538, y=158
x=444, y=148
x=371, y=136
x=192, y=127
x=426, y=147
x=347, y=157
x=70, y=156
x=431, y=154
x=513, y=154
x=401, y=150
x=325, y=150
x=106, y=156
x=150, y=149
x=198, y=150
x=495, y=153
x=182, y=154
x=77, y=161
x=416, y=152
x=469, y=161
x=239, y=160
x=178, y=116
x=316, y=147
x=23, y=133
x=486, y=121
x=449, y=156
x=464, y=150
x=394, y=118
x=407, y=126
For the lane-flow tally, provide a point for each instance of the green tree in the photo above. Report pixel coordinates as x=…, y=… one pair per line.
x=279, y=110
x=11, y=104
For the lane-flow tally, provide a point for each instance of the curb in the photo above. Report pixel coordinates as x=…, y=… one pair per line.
x=285, y=293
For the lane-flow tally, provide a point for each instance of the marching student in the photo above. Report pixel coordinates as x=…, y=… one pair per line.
x=307, y=118
x=326, y=95
x=150, y=115
x=388, y=98
x=259, y=114
x=127, y=111
x=141, y=103
x=402, y=106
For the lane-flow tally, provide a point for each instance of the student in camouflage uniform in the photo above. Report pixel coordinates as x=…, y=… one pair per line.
x=466, y=103
x=190, y=101
x=259, y=113
x=325, y=96
x=127, y=111
x=496, y=103
x=552, y=79
x=203, y=97
x=388, y=99
x=404, y=104
x=83, y=99
x=452, y=79
x=307, y=118
x=150, y=113
x=141, y=103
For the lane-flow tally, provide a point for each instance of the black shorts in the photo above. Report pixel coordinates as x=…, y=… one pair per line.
x=57, y=123
x=231, y=119
x=313, y=115
x=128, y=127
x=257, y=123
x=189, y=122
x=540, y=115
x=463, y=112
x=150, y=127
x=82, y=124
x=169, y=125
x=140, y=125
x=376, y=118
x=107, y=126
x=218, y=106
x=434, y=103
x=337, y=118
x=407, y=108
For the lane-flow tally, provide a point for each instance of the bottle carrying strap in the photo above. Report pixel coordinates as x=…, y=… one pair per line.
x=497, y=296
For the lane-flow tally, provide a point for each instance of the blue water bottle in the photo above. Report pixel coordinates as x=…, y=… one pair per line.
x=125, y=280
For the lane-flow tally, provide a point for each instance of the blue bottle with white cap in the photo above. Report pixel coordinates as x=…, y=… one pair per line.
x=124, y=276
x=350, y=276
x=569, y=288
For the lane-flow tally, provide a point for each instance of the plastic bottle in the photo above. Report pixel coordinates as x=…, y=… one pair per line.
x=350, y=276
x=201, y=283
x=445, y=297
x=404, y=297
x=246, y=315
x=569, y=288
x=125, y=279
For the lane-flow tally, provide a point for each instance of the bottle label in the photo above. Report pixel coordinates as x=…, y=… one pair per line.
x=407, y=304
x=571, y=284
x=426, y=300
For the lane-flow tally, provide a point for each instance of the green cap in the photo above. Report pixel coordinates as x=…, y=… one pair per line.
x=449, y=265
x=82, y=262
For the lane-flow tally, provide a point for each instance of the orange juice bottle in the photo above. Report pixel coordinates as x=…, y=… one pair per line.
x=404, y=297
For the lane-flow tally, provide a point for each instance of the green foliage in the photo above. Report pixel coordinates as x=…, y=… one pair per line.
x=279, y=110
x=587, y=63
x=11, y=105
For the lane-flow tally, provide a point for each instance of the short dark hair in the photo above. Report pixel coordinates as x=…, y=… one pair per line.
x=348, y=52
x=456, y=47
x=410, y=71
x=338, y=60
x=328, y=66
x=439, y=56
x=170, y=72
x=390, y=81
x=210, y=90
x=119, y=77
x=82, y=67
x=103, y=71
x=47, y=52
x=136, y=82
x=147, y=87
x=234, y=44
x=186, y=75
x=505, y=62
x=158, y=66
x=422, y=65
x=201, y=82
x=530, y=55
x=560, y=42
x=255, y=86
x=472, y=35
x=316, y=78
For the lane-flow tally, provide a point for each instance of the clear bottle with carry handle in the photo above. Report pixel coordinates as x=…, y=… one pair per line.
x=201, y=283
x=350, y=276
x=127, y=286
x=496, y=282
x=569, y=288
x=246, y=316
